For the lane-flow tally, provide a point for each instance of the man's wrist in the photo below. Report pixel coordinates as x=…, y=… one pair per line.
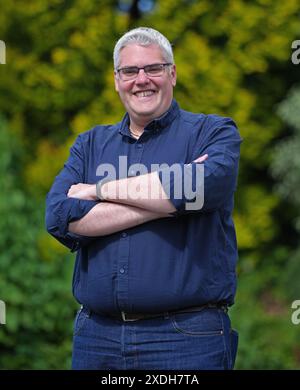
x=99, y=186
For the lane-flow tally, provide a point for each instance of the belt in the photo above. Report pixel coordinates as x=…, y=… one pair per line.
x=128, y=317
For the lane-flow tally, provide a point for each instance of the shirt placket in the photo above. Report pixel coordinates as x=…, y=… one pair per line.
x=124, y=256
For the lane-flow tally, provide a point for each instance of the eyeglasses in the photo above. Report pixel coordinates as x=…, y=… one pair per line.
x=131, y=72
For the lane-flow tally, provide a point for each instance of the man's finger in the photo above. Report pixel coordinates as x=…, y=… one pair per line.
x=201, y=158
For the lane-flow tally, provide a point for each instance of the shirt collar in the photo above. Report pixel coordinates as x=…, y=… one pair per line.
x=155, y=125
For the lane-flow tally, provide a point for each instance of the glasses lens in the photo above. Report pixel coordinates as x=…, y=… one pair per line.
x=154, y=70
x=129, y=73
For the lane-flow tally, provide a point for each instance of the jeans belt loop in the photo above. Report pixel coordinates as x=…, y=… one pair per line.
x=123, y=314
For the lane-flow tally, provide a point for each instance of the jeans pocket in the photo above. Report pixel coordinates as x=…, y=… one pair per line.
x=207, y=322
x=79, y=321
x=234, y=340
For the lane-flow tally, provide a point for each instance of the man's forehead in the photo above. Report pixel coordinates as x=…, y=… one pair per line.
x=132, y=51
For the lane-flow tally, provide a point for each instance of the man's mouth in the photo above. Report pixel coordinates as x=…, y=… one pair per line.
x=148, y=92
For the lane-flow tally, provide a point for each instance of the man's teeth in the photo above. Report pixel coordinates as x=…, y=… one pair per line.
x=144, y=93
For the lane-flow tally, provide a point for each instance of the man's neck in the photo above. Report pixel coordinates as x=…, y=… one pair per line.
x=135, y=133
x=137, y=128
x=137, y=125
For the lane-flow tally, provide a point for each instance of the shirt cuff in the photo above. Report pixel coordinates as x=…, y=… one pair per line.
x=72, y=209
x=184, y=186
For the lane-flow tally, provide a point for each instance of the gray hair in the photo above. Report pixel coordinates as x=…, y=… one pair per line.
x=144, y=36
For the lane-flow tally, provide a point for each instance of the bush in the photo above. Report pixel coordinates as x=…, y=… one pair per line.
x=34, y=284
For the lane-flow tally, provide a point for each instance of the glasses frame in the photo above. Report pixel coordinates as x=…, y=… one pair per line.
x=144, y=69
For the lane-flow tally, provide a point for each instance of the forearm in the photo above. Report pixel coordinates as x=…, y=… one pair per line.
x=144, y=191
x=107, y=218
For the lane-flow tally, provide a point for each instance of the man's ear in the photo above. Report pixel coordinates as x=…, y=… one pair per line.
x=173, y=75
x=116, y=81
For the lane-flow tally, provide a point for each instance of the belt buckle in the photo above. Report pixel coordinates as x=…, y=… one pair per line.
x=123, y=314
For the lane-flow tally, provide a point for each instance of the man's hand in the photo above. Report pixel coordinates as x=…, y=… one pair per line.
x=201, y=158
x=83, y=191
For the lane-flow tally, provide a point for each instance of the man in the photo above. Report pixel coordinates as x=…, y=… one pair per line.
x=155, y=265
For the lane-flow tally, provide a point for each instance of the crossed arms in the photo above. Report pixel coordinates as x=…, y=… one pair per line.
x=120, y=210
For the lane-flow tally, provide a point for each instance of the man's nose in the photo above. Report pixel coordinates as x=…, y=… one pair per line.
x=142, y=77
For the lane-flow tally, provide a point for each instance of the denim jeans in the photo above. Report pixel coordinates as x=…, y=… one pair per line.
x=200, y=340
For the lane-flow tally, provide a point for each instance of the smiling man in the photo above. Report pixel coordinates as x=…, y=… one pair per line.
x=155, y=270
x=145, y=98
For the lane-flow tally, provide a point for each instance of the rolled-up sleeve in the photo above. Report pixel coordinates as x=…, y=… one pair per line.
x=60, y=209
x=207, y=186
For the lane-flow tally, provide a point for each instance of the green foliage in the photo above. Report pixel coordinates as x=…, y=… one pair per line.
x=233, y=58
x=286, y=163
x=269, y=338
x=35, y=288
x=262, y=315
x=286, y=169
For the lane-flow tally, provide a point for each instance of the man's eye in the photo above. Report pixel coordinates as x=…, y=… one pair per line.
x=129, y=71
x=153, y=69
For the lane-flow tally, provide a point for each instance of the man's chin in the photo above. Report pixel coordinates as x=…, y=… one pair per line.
x=145, y=113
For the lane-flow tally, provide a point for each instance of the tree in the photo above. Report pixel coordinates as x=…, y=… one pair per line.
x=233, y=58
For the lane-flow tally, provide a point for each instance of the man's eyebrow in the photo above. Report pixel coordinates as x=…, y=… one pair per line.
x=136, y=66
x=127, y=66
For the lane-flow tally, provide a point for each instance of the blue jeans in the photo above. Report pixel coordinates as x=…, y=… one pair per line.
x=201, y=340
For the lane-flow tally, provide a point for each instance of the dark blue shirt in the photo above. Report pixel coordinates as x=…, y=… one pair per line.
x=164, y=264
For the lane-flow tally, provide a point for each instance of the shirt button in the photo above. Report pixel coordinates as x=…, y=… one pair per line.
x=139, y=146
x=124, y=234
x=122, y=270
